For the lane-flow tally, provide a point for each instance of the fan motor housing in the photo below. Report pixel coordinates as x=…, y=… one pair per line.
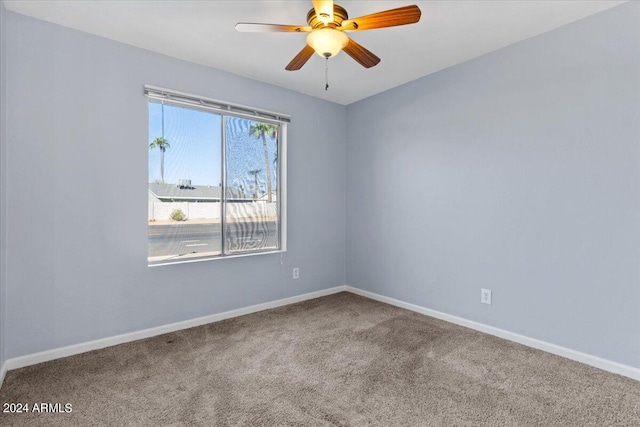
x=339, y=15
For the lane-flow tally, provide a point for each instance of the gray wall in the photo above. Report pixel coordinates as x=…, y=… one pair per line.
x=519, y=172
x=3, y=169
x=77, y=136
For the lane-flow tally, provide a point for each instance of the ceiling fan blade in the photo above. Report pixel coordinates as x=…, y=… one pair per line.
x=300, y=59
x=249, y=27
x=388, y=18
x=324, y=10
x=361, y=55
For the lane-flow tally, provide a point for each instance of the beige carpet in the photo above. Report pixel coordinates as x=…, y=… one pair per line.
x=338, y=360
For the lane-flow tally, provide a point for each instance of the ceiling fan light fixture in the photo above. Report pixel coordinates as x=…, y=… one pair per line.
x=327, y=42
x=327, y=23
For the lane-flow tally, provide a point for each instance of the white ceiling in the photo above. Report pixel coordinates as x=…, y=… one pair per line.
x=450, y=32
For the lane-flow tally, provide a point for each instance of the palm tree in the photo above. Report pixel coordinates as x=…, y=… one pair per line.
x=262, y=130
x=162, y=144
x=255, y=173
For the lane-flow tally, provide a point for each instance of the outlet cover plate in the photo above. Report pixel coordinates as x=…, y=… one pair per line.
x=485, y=296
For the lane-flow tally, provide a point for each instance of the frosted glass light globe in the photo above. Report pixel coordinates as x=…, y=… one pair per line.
x=327, y=42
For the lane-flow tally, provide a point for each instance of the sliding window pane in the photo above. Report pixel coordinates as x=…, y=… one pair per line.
x=185, y=183
x=251, y=208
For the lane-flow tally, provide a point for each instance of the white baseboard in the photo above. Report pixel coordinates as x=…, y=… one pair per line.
x=598, y=362
x=45, y=356
x=57, y=353
x=3, y=372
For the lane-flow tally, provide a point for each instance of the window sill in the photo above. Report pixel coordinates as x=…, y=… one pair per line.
x=194, y=258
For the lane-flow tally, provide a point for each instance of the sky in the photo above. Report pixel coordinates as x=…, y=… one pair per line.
x=194, y=153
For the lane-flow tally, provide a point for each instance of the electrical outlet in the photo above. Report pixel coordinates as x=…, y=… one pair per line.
x=485, y=296
x=296, y=273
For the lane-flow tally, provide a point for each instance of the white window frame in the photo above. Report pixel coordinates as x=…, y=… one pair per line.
x=223, y=108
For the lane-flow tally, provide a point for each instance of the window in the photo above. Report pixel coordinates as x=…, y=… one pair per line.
x=216, y=179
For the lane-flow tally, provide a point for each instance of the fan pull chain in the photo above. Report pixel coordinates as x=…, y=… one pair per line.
x=326, y=74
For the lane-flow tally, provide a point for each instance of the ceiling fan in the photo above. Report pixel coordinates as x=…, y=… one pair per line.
x=327, y=25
